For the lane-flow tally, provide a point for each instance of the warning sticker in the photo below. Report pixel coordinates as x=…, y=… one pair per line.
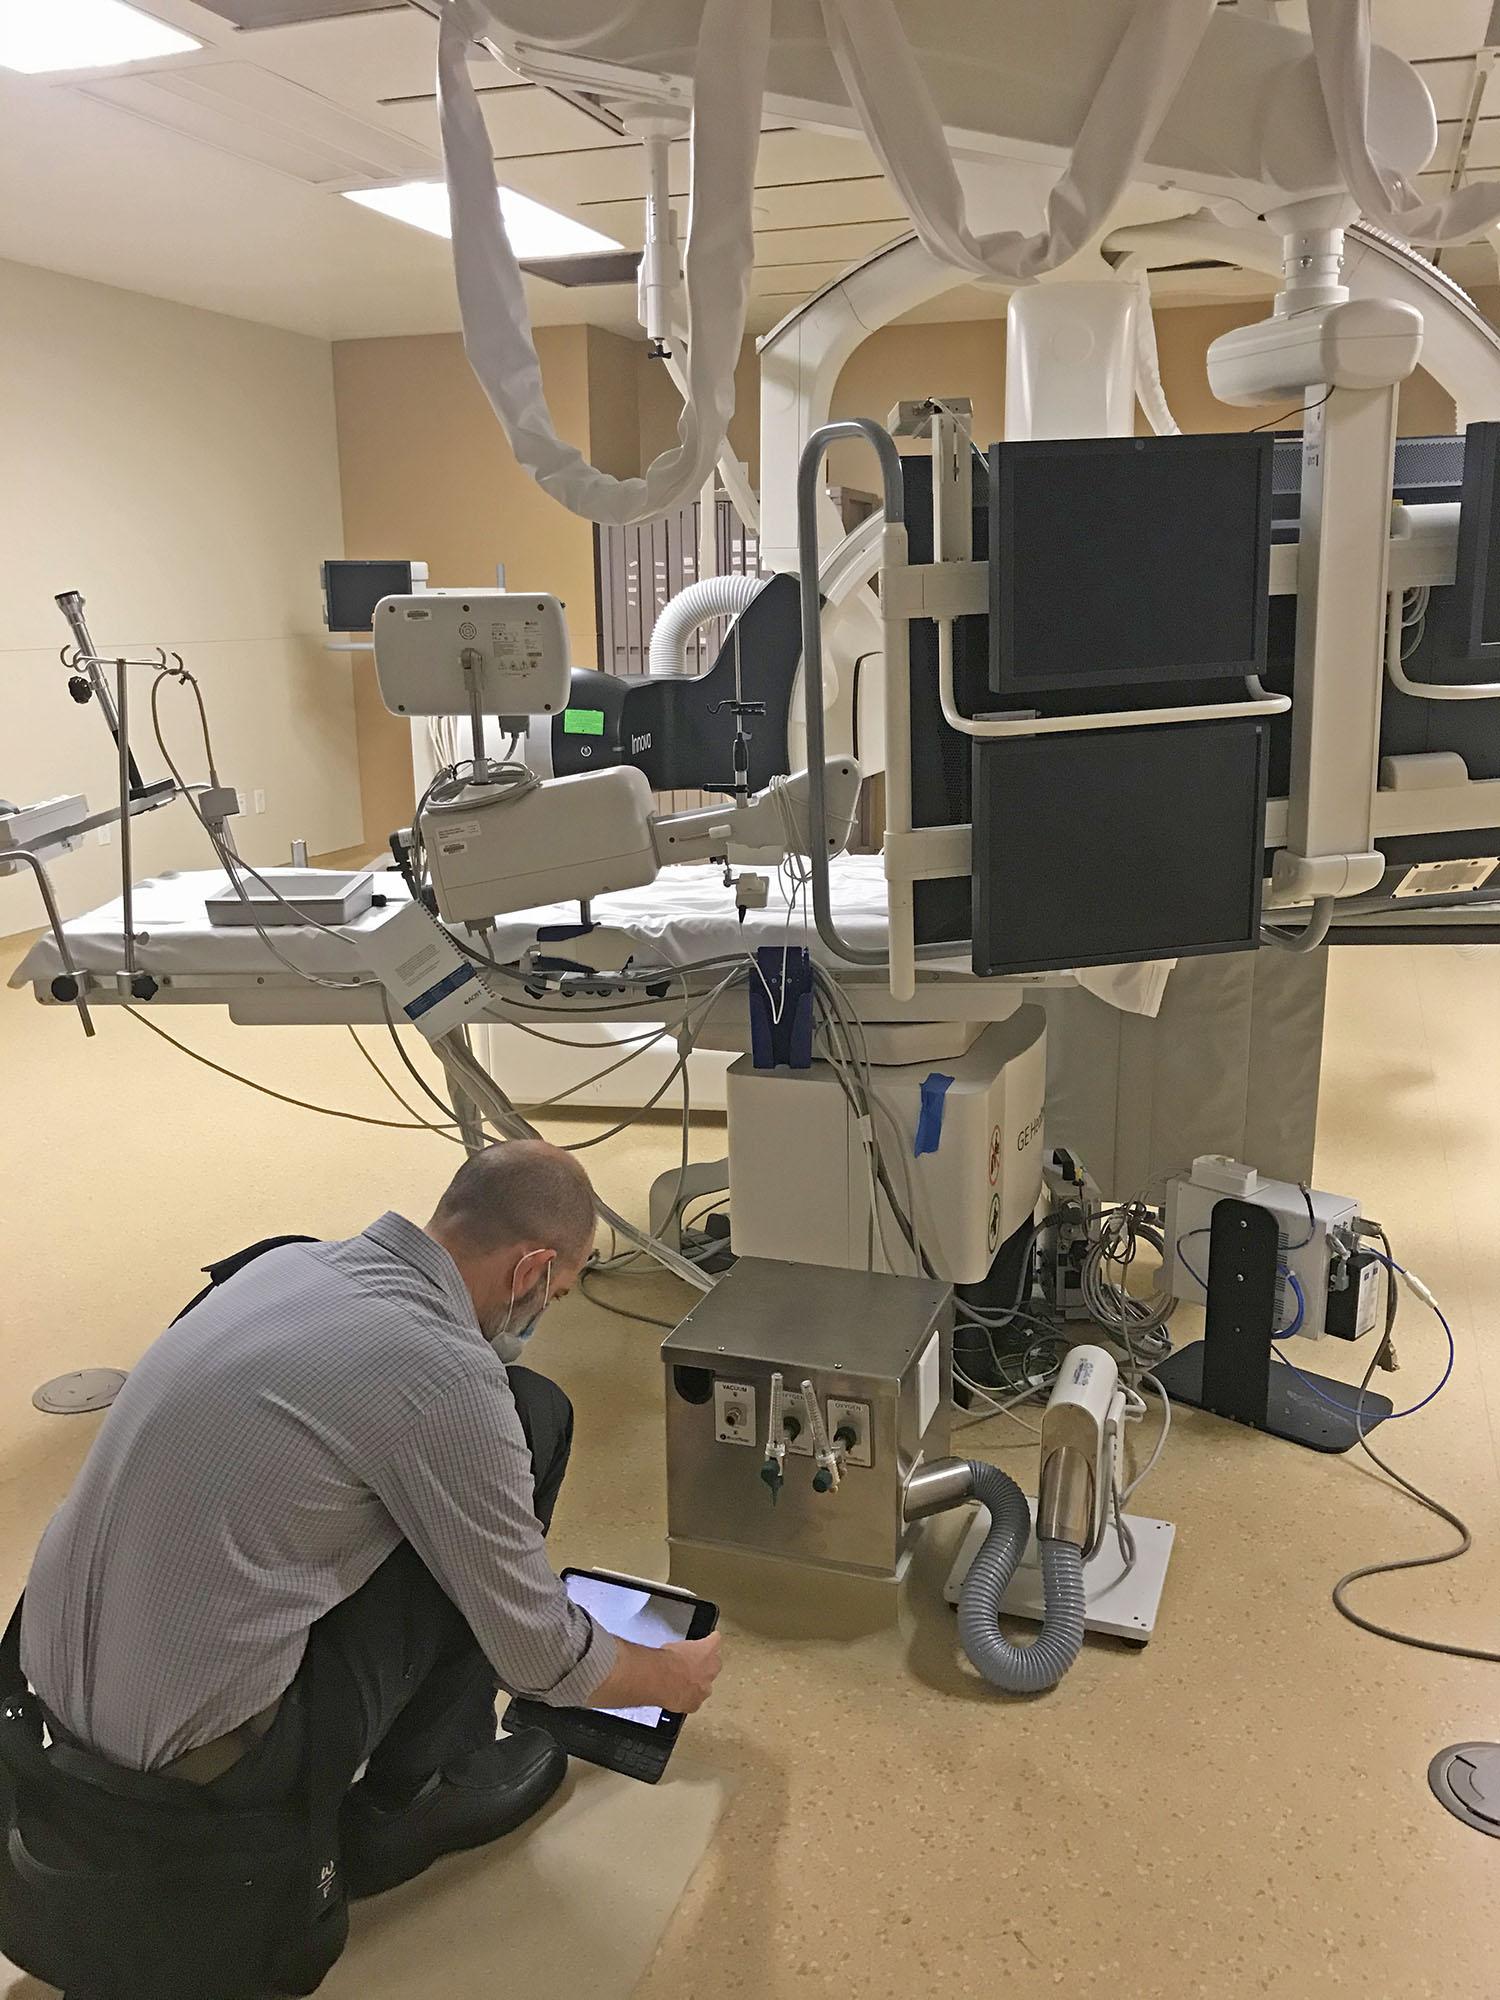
x=516, y=644
x=994, y=1156
x=994, y=1228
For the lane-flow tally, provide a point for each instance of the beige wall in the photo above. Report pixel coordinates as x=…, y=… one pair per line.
x=427, y=473
x=179, y=468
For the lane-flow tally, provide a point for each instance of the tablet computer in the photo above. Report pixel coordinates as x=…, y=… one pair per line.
x=636, y=1741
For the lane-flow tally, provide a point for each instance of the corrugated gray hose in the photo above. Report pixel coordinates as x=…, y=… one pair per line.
x=1018, y=1669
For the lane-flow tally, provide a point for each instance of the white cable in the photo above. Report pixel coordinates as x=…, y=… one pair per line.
x=996, y=1409
x=1111, y=1305
x=1149, y=392
x=728, y=84
x=1166, y=1426
x=505, y=785
x=1396, y=651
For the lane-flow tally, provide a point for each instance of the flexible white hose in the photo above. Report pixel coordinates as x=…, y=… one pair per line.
x=680, y=617
x=729, y=81
x=1149, y=392
x=888, y=90
x=1341, y=48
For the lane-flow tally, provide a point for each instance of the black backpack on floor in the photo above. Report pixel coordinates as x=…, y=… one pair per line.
x=122, y=1885
x=125, y=1885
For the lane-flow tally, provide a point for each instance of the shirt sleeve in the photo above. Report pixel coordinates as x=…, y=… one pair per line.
x=459, y=1487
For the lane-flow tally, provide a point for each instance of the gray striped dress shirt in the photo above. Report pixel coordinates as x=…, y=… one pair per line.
x=265, y=1456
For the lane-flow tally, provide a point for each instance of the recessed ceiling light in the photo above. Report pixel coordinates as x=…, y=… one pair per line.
x=40, y=35
x=535, y=230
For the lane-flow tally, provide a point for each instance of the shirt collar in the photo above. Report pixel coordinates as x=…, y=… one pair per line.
x=414, y=1246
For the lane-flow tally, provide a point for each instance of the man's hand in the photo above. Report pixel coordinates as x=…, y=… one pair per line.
x=697, y=1662
x=679, y=1676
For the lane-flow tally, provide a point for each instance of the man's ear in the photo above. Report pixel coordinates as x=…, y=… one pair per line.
x=540, y=1257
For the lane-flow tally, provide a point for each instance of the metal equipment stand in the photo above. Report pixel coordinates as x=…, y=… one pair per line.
x=1230, y=1370
x=84, y=1390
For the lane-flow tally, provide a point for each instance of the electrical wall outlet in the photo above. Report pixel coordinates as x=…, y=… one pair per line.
x=241, y=802
x=854, y=1417
x=734, y=1413
x=106, y=835
x=260, y=802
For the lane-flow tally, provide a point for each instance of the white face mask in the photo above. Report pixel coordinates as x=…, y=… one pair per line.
x=507, y=1341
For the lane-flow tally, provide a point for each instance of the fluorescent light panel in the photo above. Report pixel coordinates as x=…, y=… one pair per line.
x=535, y=230
x=41, y=35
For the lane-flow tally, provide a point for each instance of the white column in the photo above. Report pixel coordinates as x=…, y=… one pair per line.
x=1070, y=360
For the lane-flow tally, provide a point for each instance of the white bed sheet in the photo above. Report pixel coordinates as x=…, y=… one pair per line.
x=685, y=915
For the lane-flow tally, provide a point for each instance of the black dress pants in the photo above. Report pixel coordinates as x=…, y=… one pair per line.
x=402, y=1682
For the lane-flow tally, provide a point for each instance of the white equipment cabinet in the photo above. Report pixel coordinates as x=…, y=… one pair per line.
x=799, y=1183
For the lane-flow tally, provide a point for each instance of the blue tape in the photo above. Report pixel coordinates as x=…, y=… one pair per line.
x=930, y=1120
x=450, y=983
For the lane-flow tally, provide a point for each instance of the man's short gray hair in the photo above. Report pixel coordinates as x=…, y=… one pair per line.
x=523, y=1191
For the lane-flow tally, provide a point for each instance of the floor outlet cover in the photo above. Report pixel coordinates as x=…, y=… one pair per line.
x=1466, y=1779
x=84, y=1390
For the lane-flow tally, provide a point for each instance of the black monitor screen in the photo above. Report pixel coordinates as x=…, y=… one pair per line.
x=1118, y=844
x=352, y=589
x=1116, y=560
x=1477, y=583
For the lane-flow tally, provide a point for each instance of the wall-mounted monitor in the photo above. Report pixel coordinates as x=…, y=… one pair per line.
x=353, y=588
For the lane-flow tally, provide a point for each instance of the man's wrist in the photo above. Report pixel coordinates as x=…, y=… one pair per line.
x=641, y=1676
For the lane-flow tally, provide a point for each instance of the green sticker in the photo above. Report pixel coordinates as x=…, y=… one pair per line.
x=583, y=722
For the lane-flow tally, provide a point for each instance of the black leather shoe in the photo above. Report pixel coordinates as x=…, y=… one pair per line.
x=489, y=1794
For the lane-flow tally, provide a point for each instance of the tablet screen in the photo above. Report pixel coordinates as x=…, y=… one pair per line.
x=638, y=1615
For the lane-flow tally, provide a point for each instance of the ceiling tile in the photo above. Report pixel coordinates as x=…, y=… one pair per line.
x=1448, y=85
x=1415, y=28
x=843, y=242
x=1484, y=150
x=254, y=113
x=812, y=156
x=803, y=278
x=521, y=118
x=355, y=62
x=777, y=208
x=278, y=13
